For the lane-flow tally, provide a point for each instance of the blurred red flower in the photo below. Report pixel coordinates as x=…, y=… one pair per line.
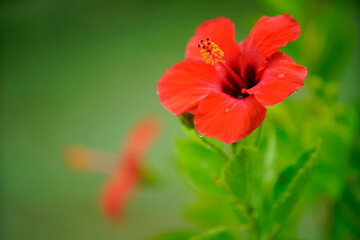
x=125, y=170
x=228, y=85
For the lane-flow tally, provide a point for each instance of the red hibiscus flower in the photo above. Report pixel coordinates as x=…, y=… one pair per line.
x=124, y=168
x=226, y=85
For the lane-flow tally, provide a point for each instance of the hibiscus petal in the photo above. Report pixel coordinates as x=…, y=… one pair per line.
x=142, y=135
x=116, y=194
x=228, y=119
x=281, y=78
x=221, y=31
x=120, y=187
x=185, y=84
x=266, y=38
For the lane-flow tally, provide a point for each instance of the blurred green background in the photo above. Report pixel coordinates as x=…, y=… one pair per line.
x=82, y=71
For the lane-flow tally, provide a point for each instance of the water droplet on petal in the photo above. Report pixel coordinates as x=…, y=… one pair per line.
x=227, y=110
x=157, y=92
x=201, y=135
x=281, y=75
x=281, y=61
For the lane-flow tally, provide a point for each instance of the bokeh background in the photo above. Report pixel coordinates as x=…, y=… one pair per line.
x=83, y=71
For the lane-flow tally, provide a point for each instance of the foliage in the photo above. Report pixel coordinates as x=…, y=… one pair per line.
x=302, y=157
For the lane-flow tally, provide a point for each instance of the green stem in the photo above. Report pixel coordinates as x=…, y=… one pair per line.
x=246, y=215
x=274, y=232
x=233, y=148
x=217, y=149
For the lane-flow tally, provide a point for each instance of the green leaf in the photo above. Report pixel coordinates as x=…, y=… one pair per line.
x=210, y=211
x=337, y=132
x=269, y=159
x=202, y=165
x=180, y=235
x=216, y=234
x=346, y=223
x=237, y=175
x=291, y=183
x=206, y=141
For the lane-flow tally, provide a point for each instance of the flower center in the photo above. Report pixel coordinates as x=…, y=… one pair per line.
x=212, y=54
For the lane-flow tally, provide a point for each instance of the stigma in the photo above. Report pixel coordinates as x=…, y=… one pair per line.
x=211, y=52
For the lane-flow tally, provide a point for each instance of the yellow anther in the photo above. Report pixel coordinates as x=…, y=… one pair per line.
x=211, y=52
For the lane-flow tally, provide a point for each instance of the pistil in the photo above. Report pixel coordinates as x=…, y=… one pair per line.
x=233, y=75
x=213, y=55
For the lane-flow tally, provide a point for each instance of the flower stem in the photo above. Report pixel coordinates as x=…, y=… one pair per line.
x=217, y=149
x=247, y=216
x=234, y=147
